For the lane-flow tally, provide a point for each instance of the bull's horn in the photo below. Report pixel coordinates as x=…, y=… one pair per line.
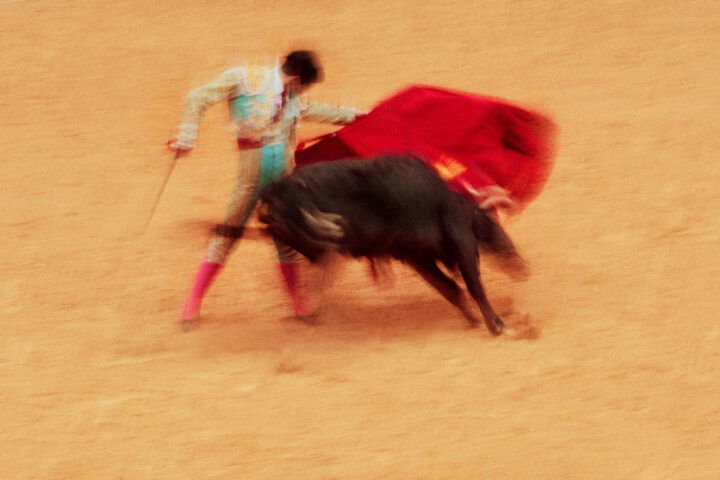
x=325, y=225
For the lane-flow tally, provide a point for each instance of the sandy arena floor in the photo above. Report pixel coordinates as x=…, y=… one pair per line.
x=98, y=382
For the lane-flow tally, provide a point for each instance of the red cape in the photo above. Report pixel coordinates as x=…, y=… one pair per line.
x=470, y=140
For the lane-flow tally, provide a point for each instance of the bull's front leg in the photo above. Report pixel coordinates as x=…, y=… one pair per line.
x=446, y=286
x=471, y=274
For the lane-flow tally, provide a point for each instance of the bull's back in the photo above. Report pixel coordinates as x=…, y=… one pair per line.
x=389, y=185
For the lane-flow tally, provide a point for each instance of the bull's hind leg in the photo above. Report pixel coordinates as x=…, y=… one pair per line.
x=446, y=286
x=471, y=274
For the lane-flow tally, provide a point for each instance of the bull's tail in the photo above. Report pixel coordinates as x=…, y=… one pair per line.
x=493, y=239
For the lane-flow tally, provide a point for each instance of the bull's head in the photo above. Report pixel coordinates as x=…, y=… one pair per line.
x=291, y=217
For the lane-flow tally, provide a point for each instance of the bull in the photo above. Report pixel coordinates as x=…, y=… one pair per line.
x=391, y=207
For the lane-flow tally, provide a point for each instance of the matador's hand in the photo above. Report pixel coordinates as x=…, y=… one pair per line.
x=180, y=150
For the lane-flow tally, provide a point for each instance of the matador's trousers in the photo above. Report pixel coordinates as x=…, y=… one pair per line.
x=257, y=168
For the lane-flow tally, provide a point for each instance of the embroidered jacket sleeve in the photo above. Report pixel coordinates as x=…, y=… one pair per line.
x=202, y=97
x=318, y=112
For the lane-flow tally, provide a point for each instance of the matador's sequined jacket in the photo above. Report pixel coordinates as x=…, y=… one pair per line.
x=259, y=117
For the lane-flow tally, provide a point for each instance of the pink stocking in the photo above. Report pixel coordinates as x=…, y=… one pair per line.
x=205, y=275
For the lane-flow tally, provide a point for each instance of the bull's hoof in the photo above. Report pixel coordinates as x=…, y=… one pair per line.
x=497, y=327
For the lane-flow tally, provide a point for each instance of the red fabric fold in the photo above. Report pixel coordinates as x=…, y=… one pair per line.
x=469, y=139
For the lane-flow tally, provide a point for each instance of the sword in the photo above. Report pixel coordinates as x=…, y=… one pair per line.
x=162, y=188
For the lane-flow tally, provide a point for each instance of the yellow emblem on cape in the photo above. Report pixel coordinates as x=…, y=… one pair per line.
x=448, y=168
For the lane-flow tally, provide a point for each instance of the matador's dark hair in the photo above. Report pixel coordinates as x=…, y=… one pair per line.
x=303, y=64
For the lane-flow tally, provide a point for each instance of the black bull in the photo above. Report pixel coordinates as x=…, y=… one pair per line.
x=390, y=207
